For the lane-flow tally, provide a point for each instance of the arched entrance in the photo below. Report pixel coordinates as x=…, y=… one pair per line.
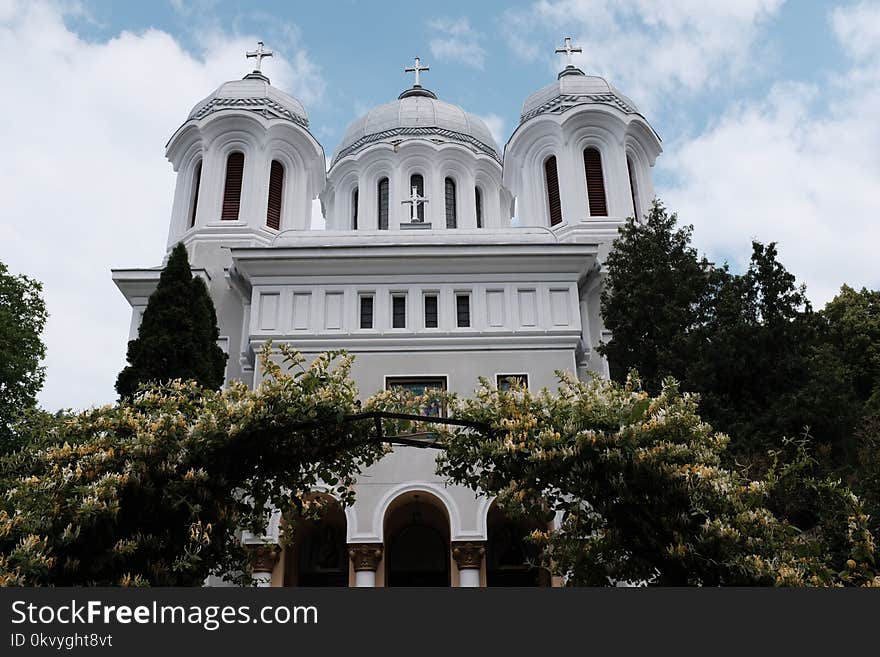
x=417, y=541
x=510, y=558
x=319, y=554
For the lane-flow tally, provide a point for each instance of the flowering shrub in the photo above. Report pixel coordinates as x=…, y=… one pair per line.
x=641, y=492
x=156, y=491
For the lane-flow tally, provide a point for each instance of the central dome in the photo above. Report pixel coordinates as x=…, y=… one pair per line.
x=418, y=116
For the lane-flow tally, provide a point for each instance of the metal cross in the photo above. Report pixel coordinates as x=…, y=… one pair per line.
x=416, y=68
x=414, y=200
x=568, y=49
x=259, y=53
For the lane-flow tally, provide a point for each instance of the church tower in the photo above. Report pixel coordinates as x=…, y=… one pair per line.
x=582, y=154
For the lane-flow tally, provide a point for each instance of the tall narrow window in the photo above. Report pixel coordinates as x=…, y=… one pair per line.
x=479, y=201
x=451, y=222
x=595, y=183
x=553, y=202
x=633, y=189
x=398, y=311
x=197, y=182
x=232, y=188
x=366, y=311
x=416, y=180
x=354, y=209
x=431, y=319
x=383, y=203
x=463, y=310
x=276, y=193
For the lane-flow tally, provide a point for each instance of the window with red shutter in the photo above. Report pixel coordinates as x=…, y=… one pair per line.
x=276, y=193
x=595, y=183
x=553, y=201
x=232, y=188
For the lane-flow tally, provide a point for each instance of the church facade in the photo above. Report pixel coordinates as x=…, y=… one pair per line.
x=443, y=259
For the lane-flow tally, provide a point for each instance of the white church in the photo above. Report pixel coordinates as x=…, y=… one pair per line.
x=444, y=259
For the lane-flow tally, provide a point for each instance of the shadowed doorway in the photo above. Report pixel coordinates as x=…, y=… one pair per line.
x=417, y=542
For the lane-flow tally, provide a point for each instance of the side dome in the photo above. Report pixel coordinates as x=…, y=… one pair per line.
x=574, y=88
x=252, y=93
x=418, y=116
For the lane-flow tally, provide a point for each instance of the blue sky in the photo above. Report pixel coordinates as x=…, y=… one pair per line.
x=767, y=109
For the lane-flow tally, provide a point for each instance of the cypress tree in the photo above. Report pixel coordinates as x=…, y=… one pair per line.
x=178, y=335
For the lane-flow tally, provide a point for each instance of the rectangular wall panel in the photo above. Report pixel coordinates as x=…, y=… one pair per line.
x=269, y=311
x=302, y=306
x=559, y=302
x=527, y=300
x=333, y=310
x=495, y=307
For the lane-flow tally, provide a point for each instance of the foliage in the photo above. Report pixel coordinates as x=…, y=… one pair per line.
x=765, y=365
x=155, y=490
x=644, y=495
x=177, y=338
x=22, y=319
x=657, y=292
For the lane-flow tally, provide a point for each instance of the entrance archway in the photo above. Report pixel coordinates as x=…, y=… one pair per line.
x=417, y=541
x=318, y=555
x=510, y=557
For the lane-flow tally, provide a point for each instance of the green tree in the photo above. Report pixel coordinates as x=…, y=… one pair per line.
x=22, y=319
x=658, y=290
x=178, y=335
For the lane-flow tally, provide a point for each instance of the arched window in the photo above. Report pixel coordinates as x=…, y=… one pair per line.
x=479, y=202
x=232, y=188
x=354, y=209
x=276, y=193
x=553, y=202
x=197, y=182
x=416, y=180
x=595, y=183
x=633, y=187
x=383, y=203
x=449, y=185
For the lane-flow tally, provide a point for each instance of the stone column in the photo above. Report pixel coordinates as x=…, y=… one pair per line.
x=264, y=557
x=365, y=557
x=469, y=557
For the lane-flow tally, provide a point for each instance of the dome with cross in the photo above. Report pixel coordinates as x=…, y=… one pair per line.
x=418, y=114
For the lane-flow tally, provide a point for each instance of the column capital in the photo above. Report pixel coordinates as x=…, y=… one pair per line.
x=365, y=556
x=264, y=556
x=468, y=554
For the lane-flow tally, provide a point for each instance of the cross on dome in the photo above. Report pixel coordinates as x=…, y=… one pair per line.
x=416, y=68
x=258, y=54
x=568, y=49
x=414, y=200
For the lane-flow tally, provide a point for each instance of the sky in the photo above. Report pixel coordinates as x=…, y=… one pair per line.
x=768, y=111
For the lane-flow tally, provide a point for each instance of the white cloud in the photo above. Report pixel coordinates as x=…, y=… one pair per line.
x=457, y=41
x=801, y=167
x=495, y=124
x=648, y=48
x=85, y=183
